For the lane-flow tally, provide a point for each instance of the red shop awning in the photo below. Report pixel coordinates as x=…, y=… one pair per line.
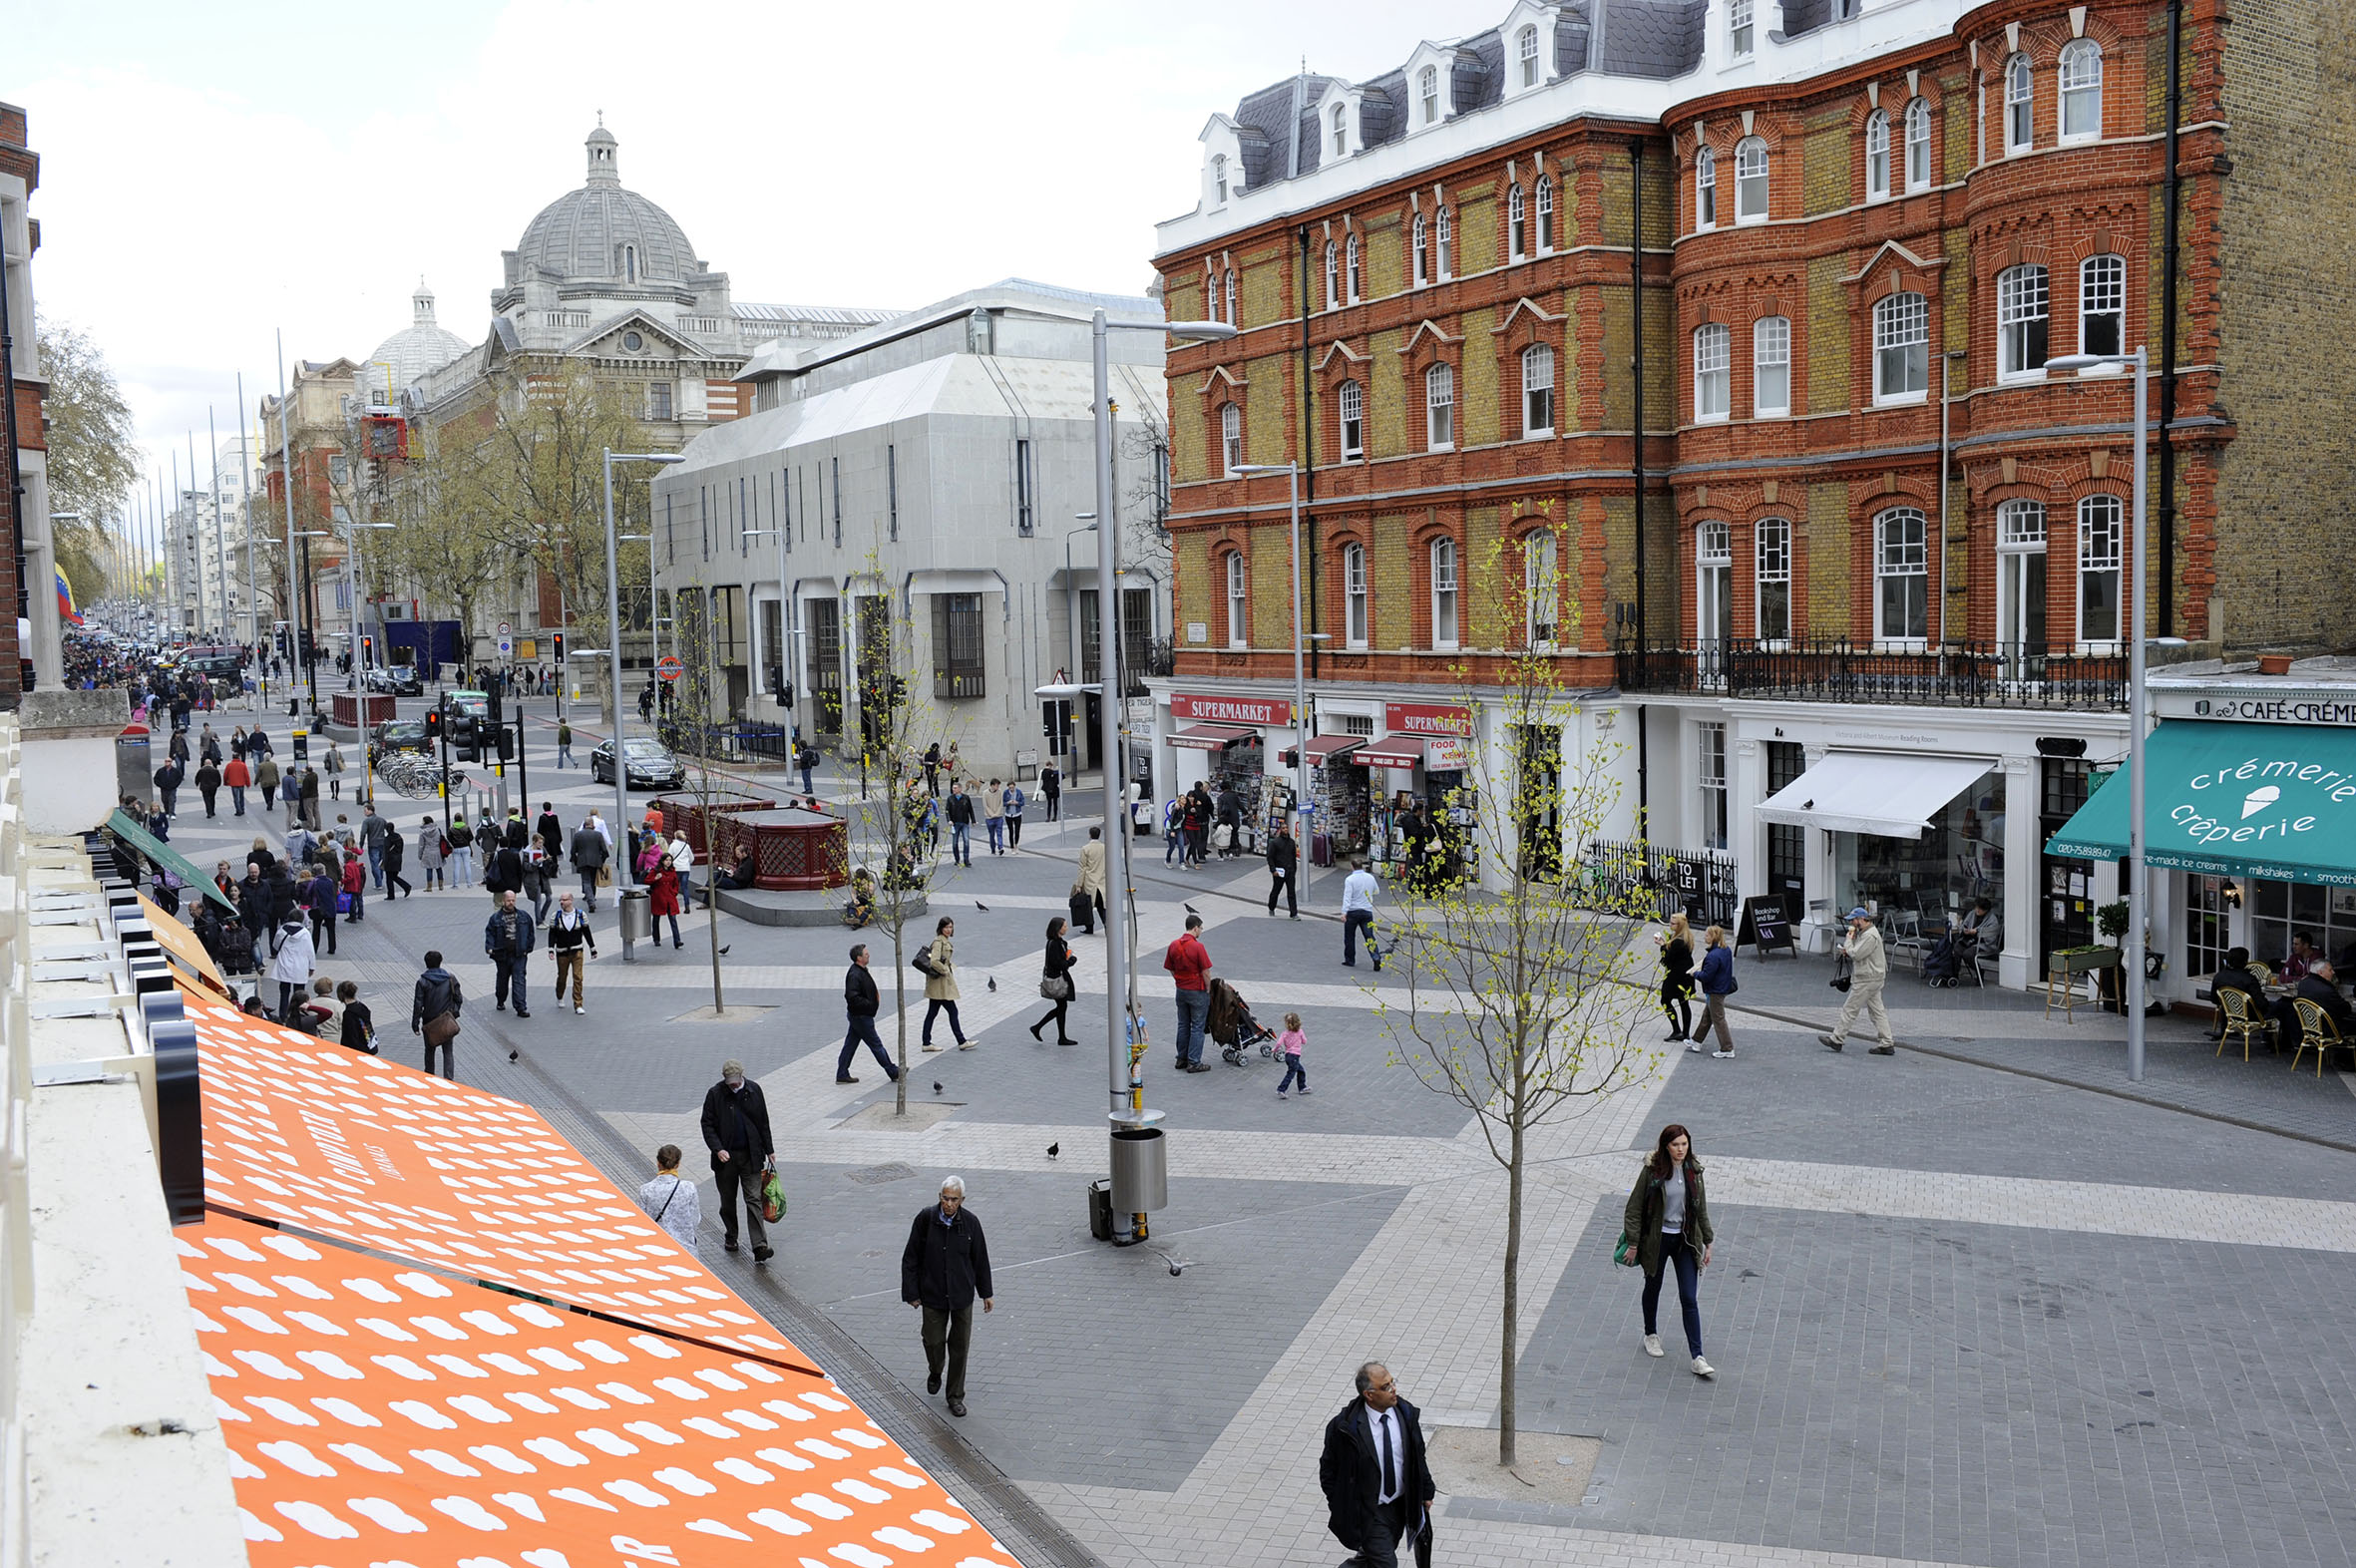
x=1211, y=737
x=1323, y=748
x=1392, y=751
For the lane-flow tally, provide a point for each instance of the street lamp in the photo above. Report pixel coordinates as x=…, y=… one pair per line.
x=1119, y=963
x=1292, y=472
x=621, y=767
x=2138, y=899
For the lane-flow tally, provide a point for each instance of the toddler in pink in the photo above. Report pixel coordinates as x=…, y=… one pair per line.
x=1288, y=1047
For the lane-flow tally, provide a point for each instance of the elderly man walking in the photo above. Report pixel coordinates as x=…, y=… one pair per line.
x=1869, y=969
x=1377, y=1487
x=944, y=1264
x=736, y=1130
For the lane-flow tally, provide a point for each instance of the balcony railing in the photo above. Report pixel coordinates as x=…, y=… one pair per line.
x=1951, y=674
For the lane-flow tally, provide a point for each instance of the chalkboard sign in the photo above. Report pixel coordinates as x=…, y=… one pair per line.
x=1766, y=927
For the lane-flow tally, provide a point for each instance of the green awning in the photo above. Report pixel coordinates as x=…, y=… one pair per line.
x=2255, y=800
x=139, y=837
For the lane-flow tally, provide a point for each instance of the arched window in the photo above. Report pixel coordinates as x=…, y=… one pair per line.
x=1231, y=321
x=2101, y=304
x=1219, y=178
x=1751, y=180
x=1710, y=373
x=1231, y=437
x=1333, y=276
x=1349, y=264
x=1354, y=595
x=1525, y=47
x=1353, y=419
x=2020, y=584
x=1705, y=188
x=1902, y=348
x=1517, y=223
x=1771, y=578
x=1439, y=407
x=1877, y=156
x=1440, y=238
x=1902, y=577
x=1545, y=215
x=1770, y=366
x=2082, y=90
x=1239, y=607
x=1340, y=130
x=2102, y=557
x=1713, y=598
x=2022, y=318
x=2020, y=105
x=1537, y=390
x=1427, y=93
x=1919, y=145
x=1443, y=593
x=1421, y=245
x=1541, y=592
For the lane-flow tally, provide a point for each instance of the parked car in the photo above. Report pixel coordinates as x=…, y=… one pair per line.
x=398, y=735
x=652, y=765
x=400, y=679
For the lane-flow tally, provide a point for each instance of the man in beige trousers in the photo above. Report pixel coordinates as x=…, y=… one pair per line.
x=1869, y=969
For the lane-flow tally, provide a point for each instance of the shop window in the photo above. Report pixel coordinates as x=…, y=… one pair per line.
x=1353, y=419
x=1751, y=181
x=2022, y=316
x=2020, y=586
x=2280, y=910
x=2101, y=559
x=1713, y=600
x=1710, y=373
x=1877, y=156
x=1354, y=595
x=1901, y=349
x=2101, y=304
x=1902, y=578
x=1705, y=188
x=957, y=646
x=1443, y=595
x=1709, y=777
x=1919, y=145
x=1439, y=407
x=1541, y=588
x=2082, y=90
x=1771, y=367
x=2020, y=105
x=1239, y=609
x=2205, y=937
x=1537, y=390
x=1773, y=578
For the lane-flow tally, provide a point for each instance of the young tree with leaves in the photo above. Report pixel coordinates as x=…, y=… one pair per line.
x=92, y=462
x=1543, y=1006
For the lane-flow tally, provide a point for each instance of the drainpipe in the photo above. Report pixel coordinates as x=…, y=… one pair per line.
x=1636, y=459
x=1307, y=469
x=2171, y=198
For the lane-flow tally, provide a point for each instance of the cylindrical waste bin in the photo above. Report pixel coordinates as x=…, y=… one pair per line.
x=135, y=770
x=637, y=914
x=1140, y=1170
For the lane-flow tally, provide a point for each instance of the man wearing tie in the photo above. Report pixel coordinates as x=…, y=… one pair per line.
x=1377, y=1488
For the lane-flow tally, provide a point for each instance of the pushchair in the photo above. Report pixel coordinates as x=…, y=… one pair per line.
x=1234, y=1027
x=1950, y=958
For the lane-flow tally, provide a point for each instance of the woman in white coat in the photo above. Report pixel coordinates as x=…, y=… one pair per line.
x=291, y=968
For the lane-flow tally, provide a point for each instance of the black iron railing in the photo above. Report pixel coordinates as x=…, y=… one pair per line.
x=1951, y=674
x=1699, y=882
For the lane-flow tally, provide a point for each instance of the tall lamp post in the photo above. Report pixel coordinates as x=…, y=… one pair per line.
x=2138, y=912
x=621, y=766
x=1120, y=981
x=1292, y=472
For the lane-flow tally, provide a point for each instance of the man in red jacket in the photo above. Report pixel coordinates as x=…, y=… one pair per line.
x=1190, y=962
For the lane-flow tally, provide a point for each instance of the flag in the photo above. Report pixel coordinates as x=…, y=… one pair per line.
x=65, y=600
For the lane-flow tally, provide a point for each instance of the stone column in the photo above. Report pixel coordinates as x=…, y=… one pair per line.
x=2024, y=872
x=1819, y=927
x=1746, y=835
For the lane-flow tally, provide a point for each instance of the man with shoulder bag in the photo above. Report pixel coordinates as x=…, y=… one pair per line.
x=434, y=1013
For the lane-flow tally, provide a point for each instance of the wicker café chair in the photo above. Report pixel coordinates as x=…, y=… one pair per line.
x=2241, y=1021
x=2317, y=1032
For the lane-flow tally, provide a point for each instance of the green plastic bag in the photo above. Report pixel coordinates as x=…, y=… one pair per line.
x=1624, y=1253
x=772, y=1199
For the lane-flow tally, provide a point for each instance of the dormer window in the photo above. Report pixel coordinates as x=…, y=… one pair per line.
x=1341, y=123
x=1219, y=178
x=1737, y=28
x=1525, y=50
x=1427, y=93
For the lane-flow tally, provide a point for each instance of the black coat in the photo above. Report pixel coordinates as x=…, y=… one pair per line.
x=945, y=1265
x=1350, y=1471
x=2326, y=995
x=1283, y=853
x=437, y=991
x=859, y=992
x=737, y=1122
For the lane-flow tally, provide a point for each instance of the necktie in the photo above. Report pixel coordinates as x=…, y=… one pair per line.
x=1390, y=1475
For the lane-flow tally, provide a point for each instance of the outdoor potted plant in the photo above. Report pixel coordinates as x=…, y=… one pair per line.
x=2111, y=924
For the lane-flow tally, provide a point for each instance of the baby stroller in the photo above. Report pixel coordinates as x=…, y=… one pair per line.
x=1950, y=958
x=1234, y=1027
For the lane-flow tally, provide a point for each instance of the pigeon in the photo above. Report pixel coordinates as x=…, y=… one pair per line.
x=724, y=950
x=1054, y=1151
x=993, y=983
x=937, y=1085
x=984, y=908
x=1191, y=910
x=513, y=1055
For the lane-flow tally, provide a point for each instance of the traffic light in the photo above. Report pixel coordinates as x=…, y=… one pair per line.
x=367, y=651
x=558, y=639
x=507, y=744
x=433, y=724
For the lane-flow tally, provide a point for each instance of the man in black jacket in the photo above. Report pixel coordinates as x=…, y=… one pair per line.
x=507, y=939
x=437, y=991
x=589, y=853
x=944, y=1264
x=2320, y=985
x=736, y=1130
x=1377, y=1487
x=859, y=1006
x=1284, y=864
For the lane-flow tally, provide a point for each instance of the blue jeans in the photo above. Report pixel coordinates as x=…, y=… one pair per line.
x=1354, y=921
x=376, y=865
x=565, y=757
x=1194, y=1013
x=1689, y=1291
x=1173, y=839
x=807, y=787
x=960, y=842
x=997, y=834
x=1292, y=1070
x=934, y=1008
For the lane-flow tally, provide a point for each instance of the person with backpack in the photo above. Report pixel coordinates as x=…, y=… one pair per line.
x=994, y=817
x=1716, y=978
x=568, y=933
x=355, y=887
x=434, y=1013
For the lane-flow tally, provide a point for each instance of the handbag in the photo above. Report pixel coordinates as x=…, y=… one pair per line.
x=441, y=1028
x=1624, y=1252
x=1840, y=978
x=1060, y=988
x=922, y=964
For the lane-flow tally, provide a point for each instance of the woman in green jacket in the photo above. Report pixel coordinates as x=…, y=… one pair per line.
x=1668, y=1223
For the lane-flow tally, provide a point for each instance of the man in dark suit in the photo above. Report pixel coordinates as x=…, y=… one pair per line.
x=2321, y=986
x=1377, y=1487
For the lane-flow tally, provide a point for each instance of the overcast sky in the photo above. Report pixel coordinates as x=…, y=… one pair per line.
x=212, y=173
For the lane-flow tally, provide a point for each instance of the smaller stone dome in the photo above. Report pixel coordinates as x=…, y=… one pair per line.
x=410, y=354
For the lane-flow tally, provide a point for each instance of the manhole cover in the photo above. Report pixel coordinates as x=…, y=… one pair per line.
x=877, y=1175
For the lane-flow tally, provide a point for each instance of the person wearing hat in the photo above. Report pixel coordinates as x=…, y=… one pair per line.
x=1869, y=969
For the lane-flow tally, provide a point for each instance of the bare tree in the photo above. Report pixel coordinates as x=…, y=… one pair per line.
x=1539, y=1021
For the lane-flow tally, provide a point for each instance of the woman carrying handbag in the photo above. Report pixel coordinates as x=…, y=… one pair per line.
x=1056, y=983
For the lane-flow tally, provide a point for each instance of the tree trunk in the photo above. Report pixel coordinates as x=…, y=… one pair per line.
x=1512, y=1327
x=900, y=1001
x=711, y=903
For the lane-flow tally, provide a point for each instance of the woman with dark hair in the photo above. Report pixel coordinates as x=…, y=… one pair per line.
x=939, y=968
x=1667, y=1224
x=1056, y=983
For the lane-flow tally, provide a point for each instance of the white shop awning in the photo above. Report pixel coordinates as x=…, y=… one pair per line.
x=1876, y=792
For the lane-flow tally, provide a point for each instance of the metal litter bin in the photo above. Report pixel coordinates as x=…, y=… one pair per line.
x=1140, y=1170
x=1100, y=1210
x=637, y=914
x=135, y=768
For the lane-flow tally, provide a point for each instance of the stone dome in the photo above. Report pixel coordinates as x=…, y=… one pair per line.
x=417, y=349
x=603, y=230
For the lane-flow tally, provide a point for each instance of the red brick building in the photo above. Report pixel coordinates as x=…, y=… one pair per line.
x=1865, y=230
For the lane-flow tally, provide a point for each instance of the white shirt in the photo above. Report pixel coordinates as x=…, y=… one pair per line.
x=681, y=853
x=1376, y=1424
x=676, y=1205
x=604, y=832
x=1358, y=890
